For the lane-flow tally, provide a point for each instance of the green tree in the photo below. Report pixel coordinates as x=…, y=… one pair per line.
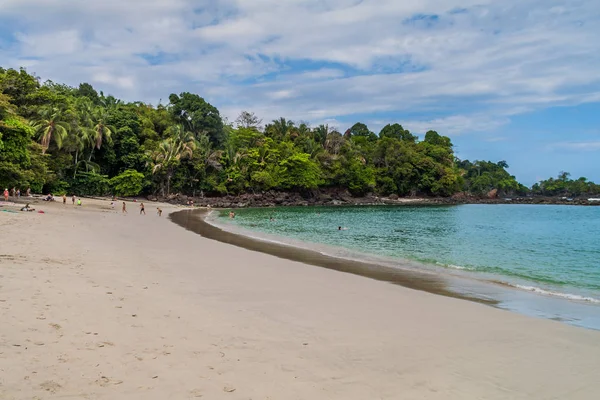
x=299, y=171
x=128, y=183
x=51, y=126
x=396, y=131
x=359, y=130
x=170, y=152
x=198, y=116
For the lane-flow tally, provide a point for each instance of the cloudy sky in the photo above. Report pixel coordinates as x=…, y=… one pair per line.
x=514, y=80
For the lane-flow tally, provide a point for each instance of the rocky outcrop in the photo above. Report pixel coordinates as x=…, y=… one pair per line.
x=337, y=197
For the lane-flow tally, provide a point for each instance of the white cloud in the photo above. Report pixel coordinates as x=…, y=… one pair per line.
x=316, y=60
x=576, y=146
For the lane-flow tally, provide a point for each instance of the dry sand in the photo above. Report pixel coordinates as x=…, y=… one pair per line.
x=97, y=305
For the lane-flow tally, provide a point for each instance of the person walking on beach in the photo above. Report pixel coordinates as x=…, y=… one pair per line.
x=124, y=208
x=64, y=199
x=142, y=209
x=73, y=199
x=6, y=194
x=158, y=211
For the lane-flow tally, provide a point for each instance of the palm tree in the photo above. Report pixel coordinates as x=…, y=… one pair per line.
x=320, y=134
x=100, y=131
x=279, y=128
x=51, y=125
x=170, y=152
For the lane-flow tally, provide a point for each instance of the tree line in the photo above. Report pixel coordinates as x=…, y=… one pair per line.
x=59, y=139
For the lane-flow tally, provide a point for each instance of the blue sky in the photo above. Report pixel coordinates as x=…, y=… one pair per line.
x=506, y=80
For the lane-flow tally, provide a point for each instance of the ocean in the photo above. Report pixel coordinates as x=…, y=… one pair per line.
x=552, y=253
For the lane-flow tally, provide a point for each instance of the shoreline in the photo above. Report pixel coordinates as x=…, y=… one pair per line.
x=492, y=290
x=193, y=220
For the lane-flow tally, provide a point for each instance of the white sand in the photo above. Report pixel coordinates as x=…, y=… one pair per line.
x=96, y=305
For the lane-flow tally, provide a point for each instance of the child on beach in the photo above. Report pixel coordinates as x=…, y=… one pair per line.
x=124, y=208
x=64, y=199
x=78, y=202
x=73, y=199
x=159, y=211
x=5, y=194
x=142, y=209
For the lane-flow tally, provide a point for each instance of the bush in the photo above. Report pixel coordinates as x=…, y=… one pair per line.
x=90, y=184
x=128, y=183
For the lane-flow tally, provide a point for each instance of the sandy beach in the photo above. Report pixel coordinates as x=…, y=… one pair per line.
x=98, y=305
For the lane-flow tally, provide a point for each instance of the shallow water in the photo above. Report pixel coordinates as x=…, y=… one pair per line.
x=548, y=251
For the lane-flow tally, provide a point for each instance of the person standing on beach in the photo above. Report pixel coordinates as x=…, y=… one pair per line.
x=124, y=208
x=18, y=193
x=159, y=211
x=6, y=194
x=142, y=209
x=28, y=192
x=64, y=199
x=73, y=199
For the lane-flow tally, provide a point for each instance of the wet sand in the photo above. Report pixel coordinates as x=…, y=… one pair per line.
x=194, y=220
x=97, y=305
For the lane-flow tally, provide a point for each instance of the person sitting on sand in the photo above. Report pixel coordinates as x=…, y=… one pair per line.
x=142, y=209
x=158, y=211
x=27, y=208
x=124, y=208
x=79, y=202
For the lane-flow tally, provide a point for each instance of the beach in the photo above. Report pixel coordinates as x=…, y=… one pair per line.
x=98, y=305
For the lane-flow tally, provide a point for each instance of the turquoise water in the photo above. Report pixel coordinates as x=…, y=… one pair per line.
x=549, y=250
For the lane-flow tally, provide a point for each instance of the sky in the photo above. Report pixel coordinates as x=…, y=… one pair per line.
x=513, y=80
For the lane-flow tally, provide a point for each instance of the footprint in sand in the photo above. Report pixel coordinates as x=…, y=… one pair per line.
x=106, y=381
x=50, y=386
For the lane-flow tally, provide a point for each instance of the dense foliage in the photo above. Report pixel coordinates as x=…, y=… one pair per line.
x=56, y=138
x=563, y=186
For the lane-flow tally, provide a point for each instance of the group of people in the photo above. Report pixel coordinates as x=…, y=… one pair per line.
x=142, y=209
x=15, y=192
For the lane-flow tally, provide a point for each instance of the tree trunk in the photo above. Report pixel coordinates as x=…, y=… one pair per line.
x=76, y=157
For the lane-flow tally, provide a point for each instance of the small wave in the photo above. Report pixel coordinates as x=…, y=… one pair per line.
x=568, y=296
x=452, y=266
